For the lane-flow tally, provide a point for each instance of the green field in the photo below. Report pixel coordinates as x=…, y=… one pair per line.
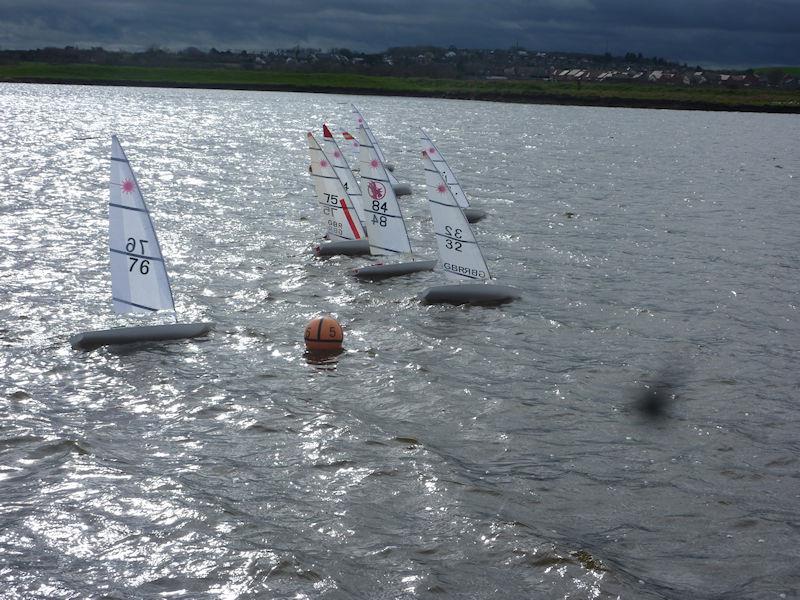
x=794, y=71
x=587, y=93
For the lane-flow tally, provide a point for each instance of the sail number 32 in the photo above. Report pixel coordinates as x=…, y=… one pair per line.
x=453, y=232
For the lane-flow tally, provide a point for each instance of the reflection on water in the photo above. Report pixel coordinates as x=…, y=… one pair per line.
x=460, y=451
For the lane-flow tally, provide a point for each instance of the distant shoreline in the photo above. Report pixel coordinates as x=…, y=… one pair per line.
x=510, y=91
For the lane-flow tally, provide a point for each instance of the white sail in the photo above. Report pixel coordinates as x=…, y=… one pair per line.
x=386, y=229
x=337, y=207
x=343, y=170
x=441, y=165
x=393, y=181
x=351, y=142
x=458, y=250
x=139, y=281
x=362, y=122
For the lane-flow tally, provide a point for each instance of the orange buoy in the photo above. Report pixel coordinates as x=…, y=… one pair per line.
x=324, y=334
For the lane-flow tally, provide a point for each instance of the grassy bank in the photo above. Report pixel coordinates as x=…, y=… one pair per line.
x=547, y=92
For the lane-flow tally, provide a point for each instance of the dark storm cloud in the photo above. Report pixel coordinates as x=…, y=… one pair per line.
x=736, y=32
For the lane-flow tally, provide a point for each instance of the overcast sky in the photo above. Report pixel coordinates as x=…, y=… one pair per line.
x=734, y=33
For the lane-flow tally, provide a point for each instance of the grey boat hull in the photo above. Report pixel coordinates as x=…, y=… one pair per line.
x=401, y=189
x=372, y=272
x=90, y=340
x=344, y=247
x=474, y=214
x=472, y=293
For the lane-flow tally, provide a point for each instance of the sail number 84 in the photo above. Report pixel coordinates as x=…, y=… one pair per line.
x=379, y=219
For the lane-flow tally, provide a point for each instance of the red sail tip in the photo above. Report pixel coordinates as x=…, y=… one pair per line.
x=326, y=132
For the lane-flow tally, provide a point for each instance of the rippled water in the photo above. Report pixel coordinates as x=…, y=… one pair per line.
x=449, y=452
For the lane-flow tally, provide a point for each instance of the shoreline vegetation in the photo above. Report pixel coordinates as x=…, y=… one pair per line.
x=495, y=90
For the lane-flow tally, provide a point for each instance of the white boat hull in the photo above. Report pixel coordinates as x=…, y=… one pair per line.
x=90, y=340
x=472, y=293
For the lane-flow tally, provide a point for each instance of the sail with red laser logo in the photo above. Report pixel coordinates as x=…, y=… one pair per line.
x=386, y=229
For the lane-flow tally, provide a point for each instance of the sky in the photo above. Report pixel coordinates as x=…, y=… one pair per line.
x=711, y=33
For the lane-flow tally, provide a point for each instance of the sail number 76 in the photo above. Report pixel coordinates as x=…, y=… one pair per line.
x=142, y=263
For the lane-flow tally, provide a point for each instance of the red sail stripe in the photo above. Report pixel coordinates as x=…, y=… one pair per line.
x=349, y=218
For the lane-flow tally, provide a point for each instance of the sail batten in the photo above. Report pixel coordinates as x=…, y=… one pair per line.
x=126, y=302
x=144, y=210
x=144, y=256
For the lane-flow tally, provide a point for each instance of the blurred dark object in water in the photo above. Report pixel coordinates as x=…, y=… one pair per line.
x=655, y=400
x=659, y=393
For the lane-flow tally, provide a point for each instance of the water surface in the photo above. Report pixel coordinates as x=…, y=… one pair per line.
x=449, y=452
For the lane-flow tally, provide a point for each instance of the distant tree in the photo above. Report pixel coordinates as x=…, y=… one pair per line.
x=775, y=76
x=192, y=52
